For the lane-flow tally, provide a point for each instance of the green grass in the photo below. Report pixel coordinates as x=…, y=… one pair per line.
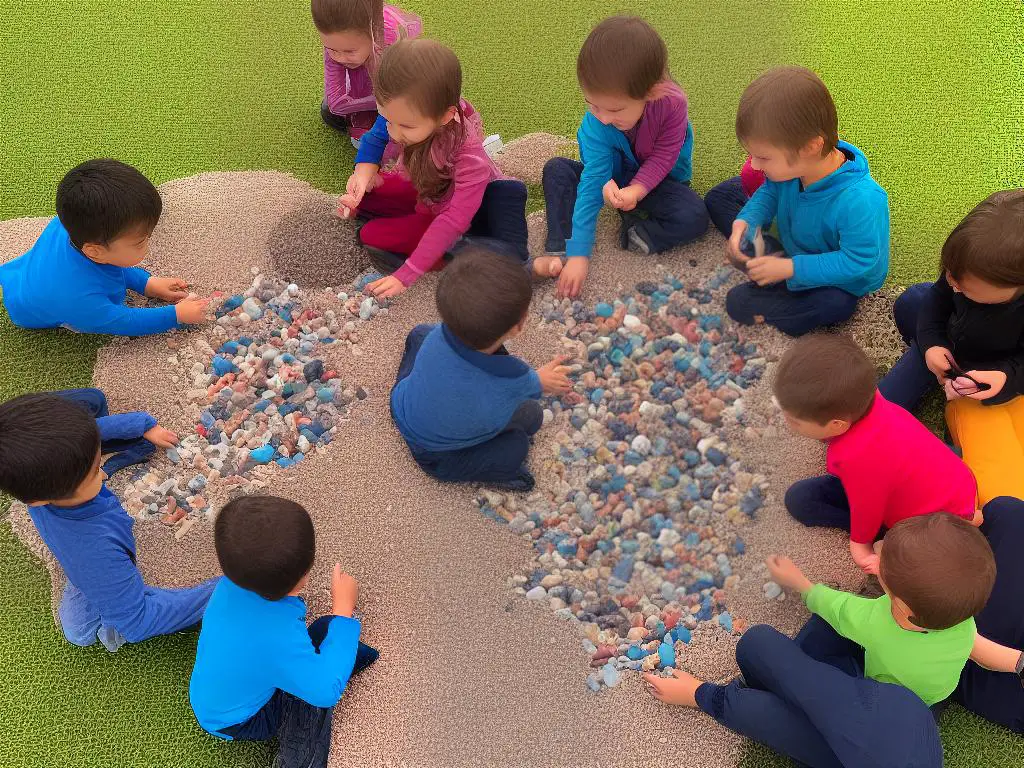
x=930, y=91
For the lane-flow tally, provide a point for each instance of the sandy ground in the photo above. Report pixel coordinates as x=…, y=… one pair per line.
x=469, y=674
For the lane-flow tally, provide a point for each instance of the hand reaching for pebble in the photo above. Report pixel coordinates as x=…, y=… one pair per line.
x=385, y=288
x=786, y=573
x=344, y=592
x=570, y=279
x=554, y=376
x=169, y=289
x=160, y=437
x=364, y=179
x=191, y=311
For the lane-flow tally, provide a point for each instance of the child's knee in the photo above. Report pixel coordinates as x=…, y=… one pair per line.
x=799, y=500
x=560, y=171
x=751, y=646
x=738, y=303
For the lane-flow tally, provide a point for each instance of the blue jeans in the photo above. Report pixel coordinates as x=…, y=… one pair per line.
x=797, y=702
x=792, y=312
x=126, y=452
x=725, y=202
x=909, y=380
x=819, y=501
x=672, y=214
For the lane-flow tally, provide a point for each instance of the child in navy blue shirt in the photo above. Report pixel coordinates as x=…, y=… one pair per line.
x=50, y=454
x=260, y=672
x=77, y=273
x=466, y=408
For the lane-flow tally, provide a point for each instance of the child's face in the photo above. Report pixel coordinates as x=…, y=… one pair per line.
x=813, y=429
x=127, y=250
x=616, y=110
x=88, y=489
x=407, y=125
x=977, y=290
x=350, y=48
x=781, y=164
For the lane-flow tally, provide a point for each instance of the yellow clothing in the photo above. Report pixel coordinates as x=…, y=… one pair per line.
x=992, y=440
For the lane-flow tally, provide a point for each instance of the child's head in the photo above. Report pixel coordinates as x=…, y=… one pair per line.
x=265, y=544
x=824, y=383
x=483, y=298
x=109, y=210
x=351, y=30
x=618, y=67
x=49, y=451
x=937, y=568
x=787, y=122
x=984, y=256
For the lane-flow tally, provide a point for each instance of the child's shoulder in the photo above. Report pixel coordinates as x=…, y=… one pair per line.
x=400, y=24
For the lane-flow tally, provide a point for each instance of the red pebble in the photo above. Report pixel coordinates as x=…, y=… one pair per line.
x=605, y=651
x=200, y=430
x=672, y=618
x=173, y=517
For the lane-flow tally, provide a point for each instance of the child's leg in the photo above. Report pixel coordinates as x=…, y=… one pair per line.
x=262, y=726
x=822, y=643
x=93, y=400
x=819, y=501
x=724, y=203
x=792, y=312
x=413, y=342
x=304, y=736
x=337, y=122
x=365, y=654
x=500, y=460
x=396, y=196
x=169, y=611
x=909, y=380
x=126, y=453
x=560, y=179
x=675, y=215
x=990, y=446
x=500, y=224
x=79, y=621
x=528, y=418
x=396, y=236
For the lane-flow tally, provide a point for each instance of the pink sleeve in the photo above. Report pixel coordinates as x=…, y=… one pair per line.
x=862, y=476
x=750, y=179
x=472, y=174
x=669, y=137
x=334, y=84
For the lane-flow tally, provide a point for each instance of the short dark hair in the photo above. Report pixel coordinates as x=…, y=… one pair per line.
x=788, y=107
x=48, y=447
x=941, y=566
x=100, y=200
x=825, y=376
x=989, y=242
x=265, y=544
x=482, y=296
x=623, y=55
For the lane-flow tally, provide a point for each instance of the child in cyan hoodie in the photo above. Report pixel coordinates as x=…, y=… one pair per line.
x=832, y=217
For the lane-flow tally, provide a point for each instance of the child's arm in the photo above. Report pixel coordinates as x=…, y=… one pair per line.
x=598, y=167
x=996, y=657
x=335, y=88
x=373, y=143
x=856, y=472
x=762, y=207
x=671, y=135
x=96, y=313
x=124, y=426
x=554, y=376
x=864, y=556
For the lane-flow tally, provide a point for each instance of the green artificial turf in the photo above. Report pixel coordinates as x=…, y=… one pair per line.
x=931, y=92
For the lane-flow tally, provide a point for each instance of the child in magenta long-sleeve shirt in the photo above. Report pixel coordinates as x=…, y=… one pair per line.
x=355, y=34
x=446, y=190
x=636, y=147
x=884, y=465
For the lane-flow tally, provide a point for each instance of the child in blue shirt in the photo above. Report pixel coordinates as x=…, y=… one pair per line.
x=466, y=408
x=50, y=454
x=832, y=217
x=76, y=274
x=259, y=671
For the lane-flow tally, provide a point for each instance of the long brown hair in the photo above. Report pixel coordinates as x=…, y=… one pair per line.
x=623, y=55
x=344, y=15
x=429, y=76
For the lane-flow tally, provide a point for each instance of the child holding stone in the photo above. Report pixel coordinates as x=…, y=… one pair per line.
x=636, y=148
x=883, y=464
x=50, y=454
x=854, y=687
x=260, y=672
x=76, y=274
x=832, y=217
x=468, y=409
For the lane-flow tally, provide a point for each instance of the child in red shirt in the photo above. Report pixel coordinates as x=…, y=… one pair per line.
x=884, y=465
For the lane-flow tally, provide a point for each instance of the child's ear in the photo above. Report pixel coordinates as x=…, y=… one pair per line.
x=814, y=147
x=94, y=252
x=449, y=115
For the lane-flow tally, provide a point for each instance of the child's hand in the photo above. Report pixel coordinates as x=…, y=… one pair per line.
x=554, y=376
x=680, y=689
x=628, y=197
x=770, y=269
x=385, y=288
x=160, y=437
x=995, y=379
x=191, y=311
x=937, y=359
x=869, y=564
x=344, y=592
x=734, y=248
x=611, y=193
x=169, y=289
x=786, y=573
x=570, y=281
x=363, y=179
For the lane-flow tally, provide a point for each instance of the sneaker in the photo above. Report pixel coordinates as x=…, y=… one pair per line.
x=493, y=145
x=355, y=142
x=384, y=262
x=636, y=243
x=523, y=482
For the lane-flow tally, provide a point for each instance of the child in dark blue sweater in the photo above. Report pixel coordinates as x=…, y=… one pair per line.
x=466, y=408
x=50, y=454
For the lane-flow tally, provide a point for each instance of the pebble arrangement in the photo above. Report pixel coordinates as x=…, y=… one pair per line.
x=265, y=400
x=636, y=540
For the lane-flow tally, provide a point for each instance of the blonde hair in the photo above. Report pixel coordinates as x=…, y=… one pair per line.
x=788, y=107
x=623, y=55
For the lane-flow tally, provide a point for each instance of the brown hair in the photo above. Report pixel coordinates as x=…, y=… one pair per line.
x=989, y=242
x=365, y=16
x=788, y=107
x=483, y=295
x=941, y=566
x=622, y=55
x=429, y=76
x=825, y=376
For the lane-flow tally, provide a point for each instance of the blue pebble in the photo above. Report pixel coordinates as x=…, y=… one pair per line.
x=287, y=408
x=593, y=683
x=681, y=633
x=623, y=570
x=691, y=457
x=207, y=419
x=635, y=653
x=716, y=457
x=617, y=356
x=611, y=675
x=172, y=454
x=197, y=483
x=725, y=619
x=263, y=454
x=596, y=395
x=284, y=462
x=244, y=341
x=260, y=405
x=739, y=546
x=230, y=304
x=604, y=310
x=222, y=365
x=229, y=348
x=325, y=394
x=667, y=655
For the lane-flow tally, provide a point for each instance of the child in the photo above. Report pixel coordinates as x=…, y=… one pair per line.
x=967, y=331
x=446, y=185
x=883, y=464
x=76, y=274
x=726, y=200
x=467, y=408
x=260, y=672
x=843, y=692
x=354, y=34
x=832, y=217
x=50, y=454
x=636, y=147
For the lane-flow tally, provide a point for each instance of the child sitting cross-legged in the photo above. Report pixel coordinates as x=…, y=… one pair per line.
x=854, y=687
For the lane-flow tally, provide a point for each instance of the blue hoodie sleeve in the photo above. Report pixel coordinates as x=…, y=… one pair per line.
x=762, y=208
x=374, y=142
x=96, y=313
x=598, y=168
x=124, y=426
x=135, y=278
x=863, y=243
x=319, y=678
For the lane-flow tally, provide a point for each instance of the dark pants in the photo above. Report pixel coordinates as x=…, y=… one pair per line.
x=499, y=461
x=792, y=312
x=337, y=122
x=303, y=731
x=724, y=203
x=909, y=380
x=671, y=214
x=126, y=452
x=997, y=696
x=819, y=501
x=798, y=703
